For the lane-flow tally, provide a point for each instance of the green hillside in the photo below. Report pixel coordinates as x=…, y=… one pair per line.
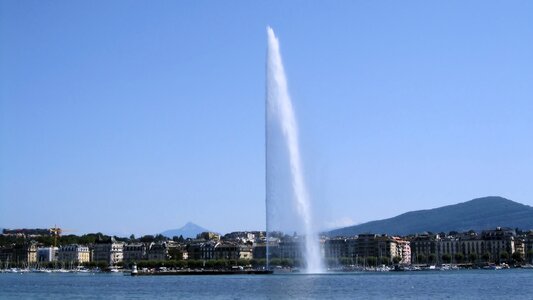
x=477, y=214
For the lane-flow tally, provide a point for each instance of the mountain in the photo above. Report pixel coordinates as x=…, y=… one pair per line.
x=477, y=214
x=189, y=230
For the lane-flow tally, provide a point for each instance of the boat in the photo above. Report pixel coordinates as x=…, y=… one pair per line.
x=492, y=267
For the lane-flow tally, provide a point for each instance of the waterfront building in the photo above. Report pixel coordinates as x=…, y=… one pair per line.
x=158, y=251
x=259, y=250
x=290, y=249
x=403, y=251
x=529, y=246
x=351, y=248
x=47, y=254
x=520, y=247
x=134, y=252
x=25, y=253
x=108, y=250
x=74, y=254
x=232, y=250
x=245, y=251
x=424, y=248
x=495, y=245
x=382, y=247
x=207, y=250
x=193, y=250
x=366, y=245
x=203, y=250
x=177, y=251
x=240, y=236
x=450, y=248
x=499, y=243
x=471, y=247
x=388, y=249
x=336, y=248
x=208, y=236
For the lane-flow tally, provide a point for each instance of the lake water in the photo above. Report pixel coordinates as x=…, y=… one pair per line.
x=474, y=284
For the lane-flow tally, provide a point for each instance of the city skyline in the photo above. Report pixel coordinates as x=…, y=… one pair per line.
x=141, y=118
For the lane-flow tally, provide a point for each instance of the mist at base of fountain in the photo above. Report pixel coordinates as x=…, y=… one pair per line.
x=286, y=191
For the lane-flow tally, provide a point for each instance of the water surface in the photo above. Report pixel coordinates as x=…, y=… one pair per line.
x=475, y=284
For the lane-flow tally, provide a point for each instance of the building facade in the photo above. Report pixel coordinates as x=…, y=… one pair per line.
x=108, y=250
x=158, y=251
x=19, y=253
x=134, y=252
x=47, y=254
x=77, y=254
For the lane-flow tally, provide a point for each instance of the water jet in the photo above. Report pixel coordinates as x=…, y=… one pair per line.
x=288, y=205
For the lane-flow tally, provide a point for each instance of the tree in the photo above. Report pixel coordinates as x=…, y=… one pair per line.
x=371, y=261
x=160, y=238
x=472, y=257
x=486, y=256
x=195, y=263
x=383, y=261
x=180, y=264
x=504, y=256
x=221, y=263
x=210, y=263
x=432, y=258
x=275, y=262
x=102, y=265
x=90, y=238
x=175, y=253
x=147, y=238
x=286, y=262
x=421, y=258
x=345, y=261
x=256, y=263
x=246, y=262
x=298, y=263
x=447, y=258
x=517, y=257
x=178, y=239
x=459, y=257
x=396, y=260
x=530, y=255
x=330, y=261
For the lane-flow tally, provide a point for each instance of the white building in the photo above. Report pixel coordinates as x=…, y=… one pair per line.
x=74, y=254
x=47, y=254
x=108, y=250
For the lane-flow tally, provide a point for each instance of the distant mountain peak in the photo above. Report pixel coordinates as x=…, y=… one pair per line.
x=490, y=199
x=189, y=230
x=190, y=225
x=477, y=214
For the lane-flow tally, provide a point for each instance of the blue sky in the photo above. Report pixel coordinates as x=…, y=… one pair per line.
x=140, y=116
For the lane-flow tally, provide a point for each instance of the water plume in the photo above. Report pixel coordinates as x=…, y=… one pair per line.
x=281, y=120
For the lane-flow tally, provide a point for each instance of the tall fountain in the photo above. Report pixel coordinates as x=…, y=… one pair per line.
x=288, y=206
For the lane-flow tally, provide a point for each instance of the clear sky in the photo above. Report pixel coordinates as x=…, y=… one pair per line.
x=138, y=116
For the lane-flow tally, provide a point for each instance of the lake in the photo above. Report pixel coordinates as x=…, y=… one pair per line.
x=464, y=284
